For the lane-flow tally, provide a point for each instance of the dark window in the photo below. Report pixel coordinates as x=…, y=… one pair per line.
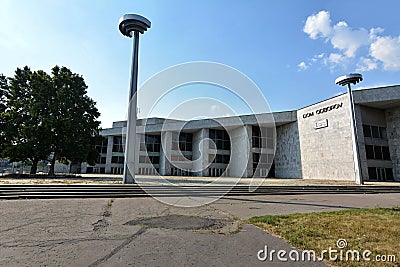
x=372, y=173
x=101, y=160
x=183, y=142
x=149, y=159
x=220, y=138
x=89, y=170
x=367, y=130
x=223, y=159
x=117, y=159
x=383, y=133
x=386, y=153
x=378, y=152
x=389, y=174
x=375, y=132
x=118, y=144
x=102, y=146
x=369, y=150
x=152, y=143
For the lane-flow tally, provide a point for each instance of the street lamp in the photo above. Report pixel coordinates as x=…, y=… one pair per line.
x=353, y=78
x=131, y=25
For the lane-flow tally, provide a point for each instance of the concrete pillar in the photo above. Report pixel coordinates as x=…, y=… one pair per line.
x=200, y=150
x=165, y=153
x=110, y=143
x=241, y=158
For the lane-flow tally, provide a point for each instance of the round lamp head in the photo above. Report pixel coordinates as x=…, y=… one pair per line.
x=353, y=78
x=129, y=23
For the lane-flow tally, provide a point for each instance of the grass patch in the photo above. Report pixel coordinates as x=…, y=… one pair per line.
x=377, y=230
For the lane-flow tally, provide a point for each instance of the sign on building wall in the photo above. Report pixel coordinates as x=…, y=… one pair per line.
x=321, y=124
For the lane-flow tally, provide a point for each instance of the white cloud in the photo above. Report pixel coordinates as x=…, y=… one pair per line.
x=383, y=50
x=367, y=64
x=348, y=40
x=302, y=66
x=337, y=58
x=387, y=50
x=318, y=25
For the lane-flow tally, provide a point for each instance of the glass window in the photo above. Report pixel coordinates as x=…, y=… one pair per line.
x=375, y=132
x=378, y=152
x=117, y=159
x=220, y=138
x=367, y=130
x=372, y=173
x=383, y=132
x=386, y=153
x=389, y=174
x=118, y=144
x=369, y=150
x=151, y=143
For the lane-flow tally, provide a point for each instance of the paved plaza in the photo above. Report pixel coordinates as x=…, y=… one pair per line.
x=145, y=232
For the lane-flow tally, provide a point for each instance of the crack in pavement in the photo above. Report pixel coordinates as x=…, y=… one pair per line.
x=47, y=243
x=119, y=248
x=101, y=225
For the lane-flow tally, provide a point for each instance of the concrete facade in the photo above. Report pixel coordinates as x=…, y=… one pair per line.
x=313, y=142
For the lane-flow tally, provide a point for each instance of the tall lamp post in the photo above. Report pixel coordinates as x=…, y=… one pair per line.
x=353, y=78
x=131, y=25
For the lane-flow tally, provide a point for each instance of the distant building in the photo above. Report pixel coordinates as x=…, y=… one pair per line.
x=311, y=143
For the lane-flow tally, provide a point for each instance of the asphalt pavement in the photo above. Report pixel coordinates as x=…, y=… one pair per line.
x=146, y=232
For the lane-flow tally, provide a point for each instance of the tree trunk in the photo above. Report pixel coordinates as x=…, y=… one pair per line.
x=53, y=162
x=34, y=166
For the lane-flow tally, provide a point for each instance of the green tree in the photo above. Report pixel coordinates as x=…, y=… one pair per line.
x=74, y=124
x=3, y=107
x=27, y=110
x=50, y=115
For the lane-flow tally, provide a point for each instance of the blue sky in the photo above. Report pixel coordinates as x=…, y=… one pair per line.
x=293, y=50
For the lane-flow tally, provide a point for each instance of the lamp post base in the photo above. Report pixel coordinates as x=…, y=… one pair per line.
x=128, y=178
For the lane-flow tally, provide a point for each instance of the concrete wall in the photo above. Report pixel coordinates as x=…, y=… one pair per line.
x=326, y=153
x=287, y=155
x=393, y=132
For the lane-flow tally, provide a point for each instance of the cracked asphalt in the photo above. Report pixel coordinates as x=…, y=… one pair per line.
x=145, y=232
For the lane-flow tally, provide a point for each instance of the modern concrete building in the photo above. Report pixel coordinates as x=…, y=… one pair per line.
x=313, y=142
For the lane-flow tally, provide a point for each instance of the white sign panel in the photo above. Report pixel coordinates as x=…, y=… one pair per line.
x=321, y=124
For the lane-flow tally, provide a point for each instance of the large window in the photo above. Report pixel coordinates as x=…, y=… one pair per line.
x=117, y=159
x=149, y=159
x=377, y=152
x=151, y=143
x=101, y=160
x=223, y=159
x=380, y=174
x=376, y=132
x=262, y=137
x=220, y=138
x=182, y=142
x=102, y=147
x=118, y=145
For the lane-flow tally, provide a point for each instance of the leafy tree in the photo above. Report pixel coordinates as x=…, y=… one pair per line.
x=50, y=115
x=3, y=107
x=26, y=114
x=74, y=124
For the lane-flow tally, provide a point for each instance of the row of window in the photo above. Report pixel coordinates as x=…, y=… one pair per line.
x=149, y=159
x=183, y=142
x=102, y=147
x=262, y=160
x=377, y=152
x=380, y=174
x=262, y=137
x=118, y=144
x=375, y=131
x=118, y=159
x=220, y=138
x=224, y=159
x=151, y=143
